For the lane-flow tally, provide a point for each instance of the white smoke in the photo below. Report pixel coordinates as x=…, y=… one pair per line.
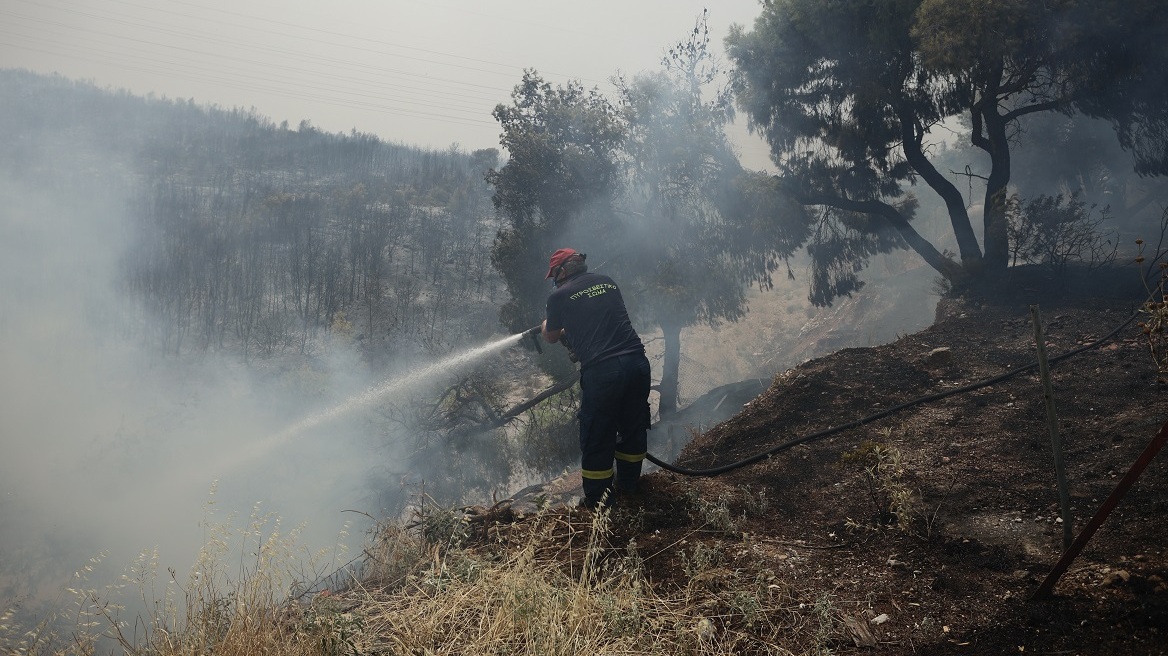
x=108, y=447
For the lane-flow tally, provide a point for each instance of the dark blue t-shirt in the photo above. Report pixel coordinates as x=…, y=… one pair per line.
x=590, y=306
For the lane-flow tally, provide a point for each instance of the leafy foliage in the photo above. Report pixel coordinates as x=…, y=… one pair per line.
x=885, y=476
x=562, y=143
x=652, y=183
x=849, y=95
x=697, y=229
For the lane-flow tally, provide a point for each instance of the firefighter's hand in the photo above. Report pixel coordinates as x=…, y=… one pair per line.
x=552, y=336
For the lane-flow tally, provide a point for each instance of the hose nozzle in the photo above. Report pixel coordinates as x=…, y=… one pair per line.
x=534, y=333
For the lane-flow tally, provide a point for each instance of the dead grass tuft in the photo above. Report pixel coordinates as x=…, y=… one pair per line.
x=244, y=595
x=553, y=583
x=557, y=583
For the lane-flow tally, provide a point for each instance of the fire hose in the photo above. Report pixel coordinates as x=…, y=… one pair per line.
x=535, y=331
x=722, y=469
x=884, y=413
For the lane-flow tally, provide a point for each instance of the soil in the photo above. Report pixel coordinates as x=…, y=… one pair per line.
x=929, y=531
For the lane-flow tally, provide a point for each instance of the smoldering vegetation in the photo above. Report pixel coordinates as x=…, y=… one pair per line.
x=183, y=284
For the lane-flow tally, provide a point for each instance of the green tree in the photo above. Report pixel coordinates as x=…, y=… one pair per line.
x=850, y=96
x=692, y=210
x=653, y=184
x=563, y=144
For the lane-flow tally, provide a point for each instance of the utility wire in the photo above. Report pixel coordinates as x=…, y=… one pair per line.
x=509, y=71
x=510, y=68
x=329, y=100
x=488, y=91
x=255, y=74
x=155, y=27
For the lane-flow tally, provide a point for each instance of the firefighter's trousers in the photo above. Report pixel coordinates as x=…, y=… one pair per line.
x=614, y=418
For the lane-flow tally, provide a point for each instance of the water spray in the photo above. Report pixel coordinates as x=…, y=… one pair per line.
x=390, y=386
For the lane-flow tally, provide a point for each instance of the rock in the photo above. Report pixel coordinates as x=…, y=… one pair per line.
x=880, y=619
x=1157, y=583
x=941, y=356
x=1116, y=577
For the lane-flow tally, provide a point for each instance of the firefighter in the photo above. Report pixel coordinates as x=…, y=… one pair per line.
x=587, y=313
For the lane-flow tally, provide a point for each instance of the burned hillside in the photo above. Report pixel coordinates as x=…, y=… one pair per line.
x=945, y=517
x=926, y=531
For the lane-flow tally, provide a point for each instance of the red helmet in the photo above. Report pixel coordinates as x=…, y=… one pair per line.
x=559, y=258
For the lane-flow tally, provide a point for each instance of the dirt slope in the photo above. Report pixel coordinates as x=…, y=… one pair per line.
x=923, y=532
x=971, y=476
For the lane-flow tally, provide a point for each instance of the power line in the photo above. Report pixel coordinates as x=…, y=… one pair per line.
x=283, y=52
x=511, y=70
x=481, y=108
x=405, y=100
x=348, y=37
x=199, y=37
x=298, y=95
x=474, y=109
x=428, y=3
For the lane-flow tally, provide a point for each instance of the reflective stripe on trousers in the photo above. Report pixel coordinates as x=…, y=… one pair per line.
x=614, y=411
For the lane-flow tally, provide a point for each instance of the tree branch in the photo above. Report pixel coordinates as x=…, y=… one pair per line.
x=913, y=135
x=969, y=174
x=1037, y=107
x=514, y=411
x=922, y=246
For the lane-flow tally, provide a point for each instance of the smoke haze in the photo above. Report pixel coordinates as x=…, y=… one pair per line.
x=108, y=448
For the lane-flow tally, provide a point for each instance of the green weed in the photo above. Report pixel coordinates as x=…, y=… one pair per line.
x=886, y=480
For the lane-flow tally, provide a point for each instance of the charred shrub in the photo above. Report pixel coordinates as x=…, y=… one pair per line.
x=1055, y=231
x=1155, y=309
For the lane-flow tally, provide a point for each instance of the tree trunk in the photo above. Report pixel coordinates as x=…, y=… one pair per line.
x=923, y=247
x=989, y=134
x=997, y=242
x=954, y=202
x=669, y=369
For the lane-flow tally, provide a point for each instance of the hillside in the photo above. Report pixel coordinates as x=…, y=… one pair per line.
x=982, y=527
x=176, y=236
x=924, y=532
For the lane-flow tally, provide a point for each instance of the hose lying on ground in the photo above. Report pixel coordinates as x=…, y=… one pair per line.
x=883, y=413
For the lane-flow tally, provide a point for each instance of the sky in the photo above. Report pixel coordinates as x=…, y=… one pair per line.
x=418, y=72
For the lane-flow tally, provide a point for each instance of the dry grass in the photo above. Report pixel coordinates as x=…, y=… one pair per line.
x=522, y=604
x=239, y=598
x=555, y=583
